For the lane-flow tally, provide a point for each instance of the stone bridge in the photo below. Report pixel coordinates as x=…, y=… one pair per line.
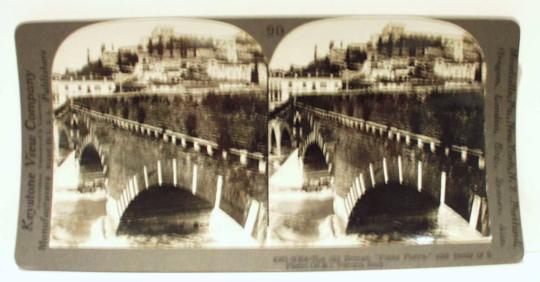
x=129, y=159
x=362, y=156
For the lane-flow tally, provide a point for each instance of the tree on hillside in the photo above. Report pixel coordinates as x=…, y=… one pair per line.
x=150, y=47
x=170, y=47
x=160, y=47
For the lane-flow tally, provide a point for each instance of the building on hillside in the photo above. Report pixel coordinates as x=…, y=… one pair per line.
x=337, y=54
x=109, y=58
x=248, y=72
x=229, y=71
x=226, y=48
x=282, y=87
x=391, y=69
x=64, y=88
x=455, y=71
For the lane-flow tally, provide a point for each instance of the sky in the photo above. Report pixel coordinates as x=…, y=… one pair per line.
x=72, y=51
x=297, y=47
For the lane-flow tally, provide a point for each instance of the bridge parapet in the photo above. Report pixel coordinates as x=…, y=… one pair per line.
x=170, y=136
x=394, y=133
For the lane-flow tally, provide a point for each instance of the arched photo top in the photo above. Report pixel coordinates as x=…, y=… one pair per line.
x=92, y=41
x=157, y=56
x=337, y=44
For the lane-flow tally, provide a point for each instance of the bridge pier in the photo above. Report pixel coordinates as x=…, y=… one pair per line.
x=420, y=143
x=419, y=184
x=219, y=186
x=372, y=175
x=341, y=212
x=243, y=157
x=183, y=142
x=145, y=169
x=400, y=170
x=131, y=191
x=136, y=182
x=194, y=180
x=475, y=212
x=175, y=177
x=362, y=183
x=385, y=171
x=464, y=154
x=443, y=188
x=481, y=162
x=160, y=175
x=251, y=219
x=134, y=187
x=262, y=166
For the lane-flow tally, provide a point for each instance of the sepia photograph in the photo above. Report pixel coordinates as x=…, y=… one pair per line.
x=267, y=143
x=160, y=136
x=376, y=135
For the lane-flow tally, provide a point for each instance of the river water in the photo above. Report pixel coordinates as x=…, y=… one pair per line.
x=80, y=220
x=299, y=218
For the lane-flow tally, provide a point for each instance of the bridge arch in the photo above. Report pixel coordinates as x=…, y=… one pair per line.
x=182, y=180
x=398, y=181
x=175, y=174
x=316, y=160
x=316, y=138
x=63, y=143
x=286, y=138
x=281, y=137
x=92, y=165
x=174, y=210
x=167, y=178
x=391, y=199
x=90, y=158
